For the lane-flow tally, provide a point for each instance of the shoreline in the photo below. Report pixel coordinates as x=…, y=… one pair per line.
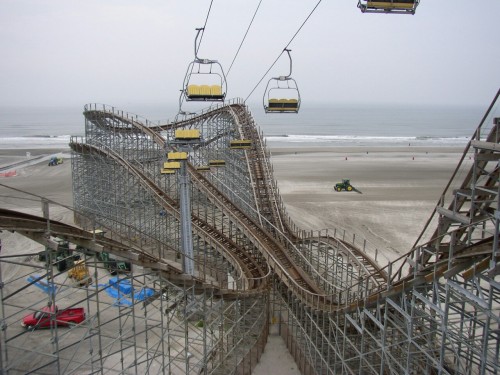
x=367, y=149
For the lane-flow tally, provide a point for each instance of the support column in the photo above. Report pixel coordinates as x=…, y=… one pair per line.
x=186, y=229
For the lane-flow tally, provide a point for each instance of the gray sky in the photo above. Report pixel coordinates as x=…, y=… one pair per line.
x=118, y=52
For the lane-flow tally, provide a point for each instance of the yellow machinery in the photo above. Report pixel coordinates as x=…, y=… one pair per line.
x=80, y=273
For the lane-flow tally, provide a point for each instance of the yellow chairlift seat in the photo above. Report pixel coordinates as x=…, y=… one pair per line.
x=177, y=156
x=187, y=134
x=291, y=103
x=283, y=105
x=274, y=103
x=193, y=90
x=217, y=163
x=390, y=4
x=216, y=91
x=167, y=171
x=205, y=92
x=243, y=144
x=203, y=168
x=171, y=165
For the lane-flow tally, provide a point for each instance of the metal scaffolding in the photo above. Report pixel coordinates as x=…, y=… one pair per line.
x=433, y=311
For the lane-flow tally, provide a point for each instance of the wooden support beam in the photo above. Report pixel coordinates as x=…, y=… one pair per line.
x=453, y=216
x=491, y=146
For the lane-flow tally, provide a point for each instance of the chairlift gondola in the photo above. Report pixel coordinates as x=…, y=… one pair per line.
x=205, y=79
x=240, y=144
x=388, y=6
x=282, y=93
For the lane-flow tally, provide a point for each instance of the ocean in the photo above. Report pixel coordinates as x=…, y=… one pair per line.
x=315, y=125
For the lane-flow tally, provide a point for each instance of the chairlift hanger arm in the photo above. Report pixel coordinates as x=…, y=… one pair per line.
x=196, y=47
x=287, y=77
x=290, y=57
x=198, y=29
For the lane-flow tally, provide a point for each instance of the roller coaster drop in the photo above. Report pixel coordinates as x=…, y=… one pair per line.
x=433, y=311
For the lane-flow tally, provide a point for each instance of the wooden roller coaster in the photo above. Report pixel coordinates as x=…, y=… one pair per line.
x=338, y=309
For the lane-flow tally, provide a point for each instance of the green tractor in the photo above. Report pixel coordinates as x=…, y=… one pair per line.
x=62, y=258
x=55, y=160
x=112, y=265
x=344, y=185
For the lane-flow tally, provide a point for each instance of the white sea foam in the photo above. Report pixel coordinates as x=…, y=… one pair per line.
x=35, y=142
x=292, y=140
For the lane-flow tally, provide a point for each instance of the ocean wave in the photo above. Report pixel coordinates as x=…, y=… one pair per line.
x=35, y=142
x=280, y=140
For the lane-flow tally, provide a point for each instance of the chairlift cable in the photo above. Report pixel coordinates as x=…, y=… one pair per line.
x=206, y=20
x=244, y=37
x=303, y=23
x=286, y=47
x=264, y=76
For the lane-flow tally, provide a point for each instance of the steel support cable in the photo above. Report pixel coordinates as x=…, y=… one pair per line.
x=206, y=20
x=244, y=37
x=290, y=42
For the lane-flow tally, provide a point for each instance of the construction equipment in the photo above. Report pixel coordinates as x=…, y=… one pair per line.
x=62, y=258
x=112, y=265
x=55, y=160
x=80, y=273
x=344, y=185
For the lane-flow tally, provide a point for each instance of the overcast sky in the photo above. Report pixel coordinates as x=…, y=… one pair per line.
x=119, y=52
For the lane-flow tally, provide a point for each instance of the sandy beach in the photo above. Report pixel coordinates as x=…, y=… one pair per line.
x=399, y=188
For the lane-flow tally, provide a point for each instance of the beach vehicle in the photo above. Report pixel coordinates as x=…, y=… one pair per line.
x=51, y=316
x=282, y=93
x=205, y=79
x=388, y=6
x=344, y=185
x=55, y=160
